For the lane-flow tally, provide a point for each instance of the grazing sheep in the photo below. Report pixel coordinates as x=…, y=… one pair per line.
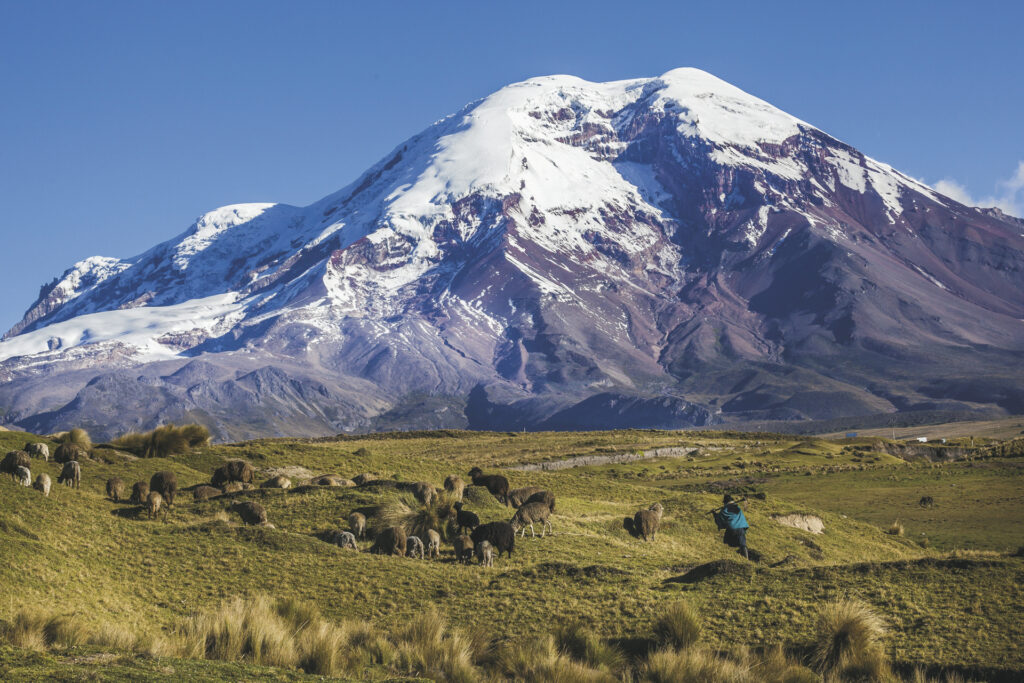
x=646, y=522
x=39, y=450
x=42, y=483
x=66, y=452
x=390, y=541
x=278, y=482
x=13, y=460
x=463, y=549
x=485, y=554
x=166, y=484
x=529, y=513
x=364, y=478
x=345, y=539
x=454, y=485
x=251, y=513
x=414, y=547
x=433, y=543
x=424, y=492
x=357, y=522
x=465, y=519
x=23, y=476
x=70, y=474
x=140, y=490
x=154, y=501
x=495, y=483
x=233, y=470
x=330, y=480
x=926, y=502
x=500, y=534
x=545, y=497
x=519, y=496
x=201, y=493
x=115, y=489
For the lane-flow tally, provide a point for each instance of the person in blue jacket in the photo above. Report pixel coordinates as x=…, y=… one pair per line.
x=730, y=517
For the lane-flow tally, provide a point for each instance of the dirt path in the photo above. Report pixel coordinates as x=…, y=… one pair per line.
x=588, y=460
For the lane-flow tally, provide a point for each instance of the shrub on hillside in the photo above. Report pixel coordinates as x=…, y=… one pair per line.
x=414, y=517
x=895, y=529
x=848, y=642
x=164, y=441
x=76, y=436
x=677, y=627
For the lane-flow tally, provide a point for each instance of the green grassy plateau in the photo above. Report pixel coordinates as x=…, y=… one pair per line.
x=950, y=589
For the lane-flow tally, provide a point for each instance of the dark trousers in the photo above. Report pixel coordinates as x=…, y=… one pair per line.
x=737, y=538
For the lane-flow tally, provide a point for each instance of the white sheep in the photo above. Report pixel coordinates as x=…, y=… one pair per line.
x=345, y=539
x=485, y=553
x=42, y=483
x=414, y=547
x=23, y=476
x=433, y=543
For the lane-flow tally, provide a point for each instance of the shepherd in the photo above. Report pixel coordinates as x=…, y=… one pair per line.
x=730, y=517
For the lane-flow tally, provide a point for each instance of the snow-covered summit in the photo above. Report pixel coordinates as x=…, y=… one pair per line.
x=554, y=239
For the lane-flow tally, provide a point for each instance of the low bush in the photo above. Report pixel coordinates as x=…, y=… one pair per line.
x=678, y=627
x=848, y=642
x=164, y=441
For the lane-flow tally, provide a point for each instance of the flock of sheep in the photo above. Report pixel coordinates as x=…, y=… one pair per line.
x=533, y=504
x=18, y=464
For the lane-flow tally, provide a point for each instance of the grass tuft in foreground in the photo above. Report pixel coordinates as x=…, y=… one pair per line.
x=849, y=642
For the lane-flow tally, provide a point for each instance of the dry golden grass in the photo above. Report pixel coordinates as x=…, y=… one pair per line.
x=678, y=626
x=164, y=441
x=848, y=642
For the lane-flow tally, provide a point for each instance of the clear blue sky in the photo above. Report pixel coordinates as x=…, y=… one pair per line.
x=123, y=121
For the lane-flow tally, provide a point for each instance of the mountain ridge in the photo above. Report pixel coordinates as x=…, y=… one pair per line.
x=549, y=244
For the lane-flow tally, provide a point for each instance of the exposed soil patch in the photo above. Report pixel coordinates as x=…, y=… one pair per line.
x=811, y=523
x=615, y=459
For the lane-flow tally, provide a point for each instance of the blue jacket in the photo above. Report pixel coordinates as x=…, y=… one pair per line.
x=731, y=517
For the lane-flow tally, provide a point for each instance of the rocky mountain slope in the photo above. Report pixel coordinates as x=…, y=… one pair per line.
x=663, y=252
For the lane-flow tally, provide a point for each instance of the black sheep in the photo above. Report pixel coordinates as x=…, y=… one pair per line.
x=13, y=460
x=166, y=484
x=465, y=519
x=495, y=483
x=545, y=497
x=499, y=534
x=251, y=513
x=233, y=470
x=66, y=452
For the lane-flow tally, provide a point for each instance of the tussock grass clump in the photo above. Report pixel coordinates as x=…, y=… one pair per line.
x=37, y=631
x=540, y=660
x=427, y=646
x=692, y=665
x=895, y=529
x=848, y=642
x=582, y=645
x=242, y=629
x=76, y=436
x=164, y=441
x=678, y=626
x=415, y=518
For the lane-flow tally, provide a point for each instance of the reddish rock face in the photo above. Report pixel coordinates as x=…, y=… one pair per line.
x=667, y=253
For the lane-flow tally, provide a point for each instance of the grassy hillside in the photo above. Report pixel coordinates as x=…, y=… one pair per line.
x=79, y=553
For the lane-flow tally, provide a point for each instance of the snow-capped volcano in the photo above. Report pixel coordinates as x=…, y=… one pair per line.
x=665, y=252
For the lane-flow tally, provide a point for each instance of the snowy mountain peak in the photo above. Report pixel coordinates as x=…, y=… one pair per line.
x=552, y=243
